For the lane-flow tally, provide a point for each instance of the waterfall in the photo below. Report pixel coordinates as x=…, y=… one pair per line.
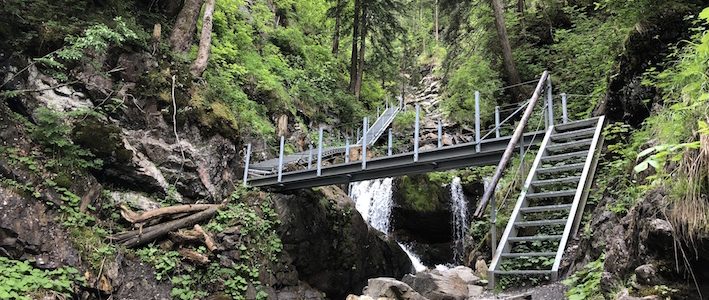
x=459, y=206
x=374, y=202
x=415, y=260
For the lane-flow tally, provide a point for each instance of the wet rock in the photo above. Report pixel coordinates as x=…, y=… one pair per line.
x=390, y=288
x=331, y=246
x=436, y=286
x=625, y=295
x=57, y=97
x=133, y=199
x=135, y=65
x=647, y=274
x=136, y=281
x=29, y=231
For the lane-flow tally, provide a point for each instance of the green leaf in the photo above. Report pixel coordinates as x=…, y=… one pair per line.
x=641, y=167
x=704, y=15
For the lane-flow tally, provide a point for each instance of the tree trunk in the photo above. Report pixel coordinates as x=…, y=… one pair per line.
x=205, y=41
x=436, y=21
x=185, y=26
x=338, y=24
x=355, y=36
x=508, y=61
x=362, y=43
x=521, y=6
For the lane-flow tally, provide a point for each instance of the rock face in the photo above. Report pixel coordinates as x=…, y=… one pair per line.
x=645, y=47
x=454, y=284
x=429, y=231
x=331, y=246
x=390, y=288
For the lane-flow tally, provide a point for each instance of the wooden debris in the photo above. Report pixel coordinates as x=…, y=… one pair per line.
x=193, y=256
x=134, y=217
x=208, y=241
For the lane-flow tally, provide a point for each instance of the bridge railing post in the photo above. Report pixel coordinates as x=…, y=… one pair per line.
x=365, y=125
x=477, y=121
x=320, y=131
x=440, y=134
x=550, y=104
x=497, y=121
x=280, y=159
x=247, y=160
x=347, y=149
x=564, y=112
x=310, y=156
x=416, y=134
x=390, y=142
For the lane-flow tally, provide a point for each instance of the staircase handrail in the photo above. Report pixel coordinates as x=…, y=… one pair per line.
x=507, y=155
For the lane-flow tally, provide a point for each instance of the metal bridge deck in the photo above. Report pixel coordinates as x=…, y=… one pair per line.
x=441, y=159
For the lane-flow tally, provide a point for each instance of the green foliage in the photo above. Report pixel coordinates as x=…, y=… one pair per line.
x=419, y=193
x=164, y=262
x=23, y=282
x=53, y=133
x=585, y=284
x=182, y=288
x=474, y=74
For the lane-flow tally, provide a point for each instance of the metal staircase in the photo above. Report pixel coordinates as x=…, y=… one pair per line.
x=551, y=203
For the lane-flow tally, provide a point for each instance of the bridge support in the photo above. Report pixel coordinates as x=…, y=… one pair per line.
x=477, y=121
x=320, y=151
x=246, y=163
x=416, y=134
x=564, y=113
x=280, y=160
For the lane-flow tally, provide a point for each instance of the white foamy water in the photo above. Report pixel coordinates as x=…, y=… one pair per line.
x=415, y=260
x=373, y=200
x=459, y=207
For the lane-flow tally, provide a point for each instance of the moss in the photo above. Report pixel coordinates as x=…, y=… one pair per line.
x=419, y=193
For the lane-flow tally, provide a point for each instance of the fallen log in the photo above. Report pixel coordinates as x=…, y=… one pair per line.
x=134, y=217
x=208, y=241
x=193, y=256
x=137, y=238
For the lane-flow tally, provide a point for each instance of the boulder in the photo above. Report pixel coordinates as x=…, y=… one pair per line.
x=647, y=274
x=435, y=286
x=390, y=288
x=331, y=246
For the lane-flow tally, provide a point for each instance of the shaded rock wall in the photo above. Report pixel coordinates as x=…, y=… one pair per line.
x=330, y=244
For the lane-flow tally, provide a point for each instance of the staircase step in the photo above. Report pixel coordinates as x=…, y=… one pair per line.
x=529, y=254
x=554, y=194
x=545, y=208
x=534, y=238
x=576, y=125
x=570, y=145
x=540, y=223
x=574, y=134
x=523, y=272
x=565, y=156
x=558, y=169
x=563, y=180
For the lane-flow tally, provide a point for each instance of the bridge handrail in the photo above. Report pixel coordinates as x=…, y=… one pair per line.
x=507, y=155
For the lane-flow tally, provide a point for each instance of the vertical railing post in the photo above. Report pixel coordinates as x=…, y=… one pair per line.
x=389, y=143
x=440, y=134
x=365, y=125
x=347, y=149
x=497, y=121
x=416, y=134
x=550, y=100
x=280, y=160
x=310, y=156
x=320, y=151
x=246, y=163
x=378, y=111
x=477, y=121
x=493, y=228
x=564, y=112
x=357, y=135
